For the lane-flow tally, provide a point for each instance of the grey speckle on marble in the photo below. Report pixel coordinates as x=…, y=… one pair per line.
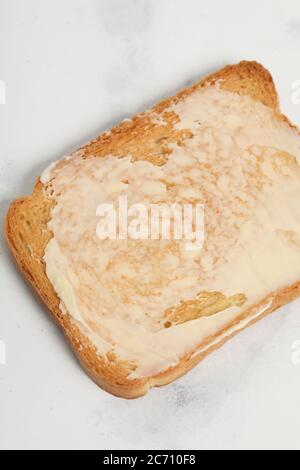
x=293, y=27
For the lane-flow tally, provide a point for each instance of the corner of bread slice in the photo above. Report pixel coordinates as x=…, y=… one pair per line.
x=27, y=234
x=252, y=79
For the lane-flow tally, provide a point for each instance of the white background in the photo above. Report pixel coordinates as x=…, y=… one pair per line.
x=73, y=68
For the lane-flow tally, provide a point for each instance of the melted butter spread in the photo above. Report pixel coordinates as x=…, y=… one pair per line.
x=241, y=163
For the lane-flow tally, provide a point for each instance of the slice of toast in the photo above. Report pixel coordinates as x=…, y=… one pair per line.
x=142, y=316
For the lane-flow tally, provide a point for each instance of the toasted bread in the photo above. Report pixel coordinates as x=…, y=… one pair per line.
x=152, y=137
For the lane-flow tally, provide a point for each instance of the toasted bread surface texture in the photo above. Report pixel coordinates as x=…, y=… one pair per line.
x=152, y=321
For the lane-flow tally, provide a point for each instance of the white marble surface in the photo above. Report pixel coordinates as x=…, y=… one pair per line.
x=73, y=68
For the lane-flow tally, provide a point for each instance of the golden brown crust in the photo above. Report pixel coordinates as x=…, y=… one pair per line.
x=27, y=233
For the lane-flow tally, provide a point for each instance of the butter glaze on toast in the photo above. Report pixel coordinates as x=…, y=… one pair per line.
x=146, y=137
